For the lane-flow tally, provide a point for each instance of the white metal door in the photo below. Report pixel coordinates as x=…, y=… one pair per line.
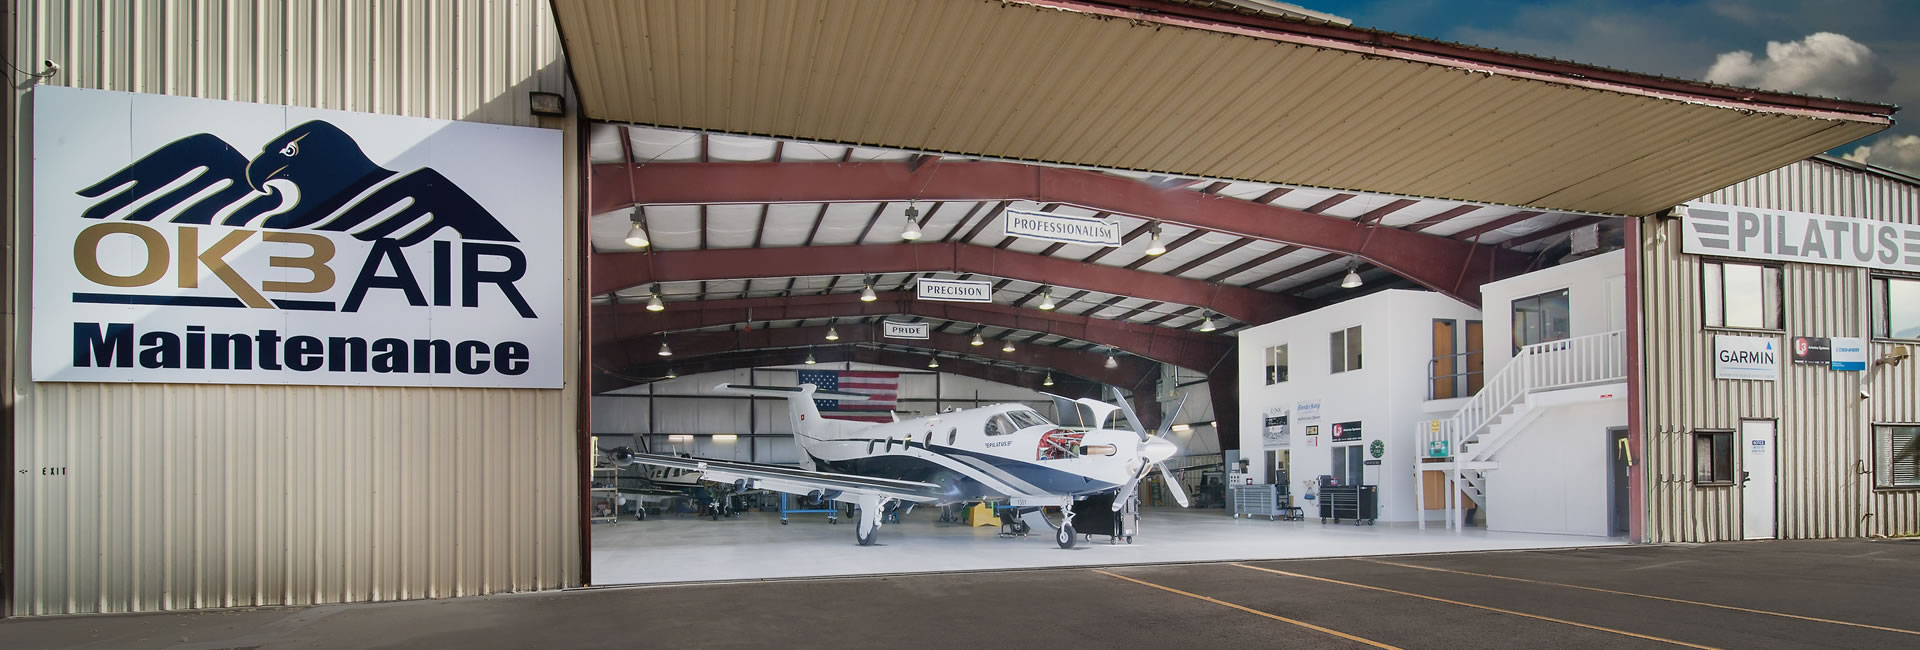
x=1756, y=463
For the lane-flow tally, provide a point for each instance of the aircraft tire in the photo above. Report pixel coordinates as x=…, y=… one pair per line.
x=865, y=537
x=1065, y=536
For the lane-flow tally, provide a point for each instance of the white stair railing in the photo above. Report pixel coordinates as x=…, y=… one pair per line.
x=1567, y=363
x=1591, y=359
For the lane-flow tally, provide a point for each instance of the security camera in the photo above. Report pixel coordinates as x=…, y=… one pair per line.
x=50, y=66
x=1898, y=354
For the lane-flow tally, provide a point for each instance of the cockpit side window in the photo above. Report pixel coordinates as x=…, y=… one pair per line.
x=998, y=425
x=1027, y=418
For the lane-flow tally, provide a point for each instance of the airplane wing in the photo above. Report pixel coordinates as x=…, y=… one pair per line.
x=798, y=481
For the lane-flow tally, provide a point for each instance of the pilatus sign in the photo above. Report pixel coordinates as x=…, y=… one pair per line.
x=193, y=241
x=1784, y=236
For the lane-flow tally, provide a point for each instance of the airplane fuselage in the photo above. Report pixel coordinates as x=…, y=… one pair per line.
x=984, y=453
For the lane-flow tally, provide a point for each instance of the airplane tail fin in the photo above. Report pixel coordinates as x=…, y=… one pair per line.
x=802, y=412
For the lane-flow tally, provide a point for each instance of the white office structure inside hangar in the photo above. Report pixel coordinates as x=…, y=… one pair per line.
x=537, y=555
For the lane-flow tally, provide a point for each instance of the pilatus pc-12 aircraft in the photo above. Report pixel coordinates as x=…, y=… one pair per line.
x=1005, y=453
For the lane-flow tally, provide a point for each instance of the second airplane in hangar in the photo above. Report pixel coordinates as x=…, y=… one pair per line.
x=1004, y=453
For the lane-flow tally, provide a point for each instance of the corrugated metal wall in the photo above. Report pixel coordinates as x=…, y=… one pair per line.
x=1822, y=441
x=184, y=496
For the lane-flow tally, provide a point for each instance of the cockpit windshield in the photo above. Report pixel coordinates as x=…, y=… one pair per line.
x=1027, y=418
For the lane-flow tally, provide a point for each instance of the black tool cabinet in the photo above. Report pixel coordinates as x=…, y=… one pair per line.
x=1359, y=503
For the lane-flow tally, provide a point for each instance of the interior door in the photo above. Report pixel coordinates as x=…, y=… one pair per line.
x=1443, y=361
x=1617, y=483
x=1476, y=359
x=1757, y=478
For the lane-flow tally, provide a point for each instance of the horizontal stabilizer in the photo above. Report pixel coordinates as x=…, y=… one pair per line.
x=792, y=391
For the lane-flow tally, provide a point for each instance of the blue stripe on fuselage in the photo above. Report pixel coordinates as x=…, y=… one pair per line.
x=1048, y=479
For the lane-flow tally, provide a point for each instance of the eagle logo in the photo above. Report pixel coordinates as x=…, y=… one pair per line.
x=312, y=176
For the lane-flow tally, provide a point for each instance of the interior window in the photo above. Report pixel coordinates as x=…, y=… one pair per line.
x=1276, y=364
x=1542, y=318
x=1343, y=349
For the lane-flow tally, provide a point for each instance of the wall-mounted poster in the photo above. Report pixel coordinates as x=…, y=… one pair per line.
x=1307, y=412
x=1313, y=435
x=1346, y=431
x=1273, y=433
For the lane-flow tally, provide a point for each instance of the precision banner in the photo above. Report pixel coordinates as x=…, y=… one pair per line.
x=183, y=240
x=953, y=290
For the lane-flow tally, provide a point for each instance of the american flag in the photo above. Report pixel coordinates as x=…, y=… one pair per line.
x=884, y=387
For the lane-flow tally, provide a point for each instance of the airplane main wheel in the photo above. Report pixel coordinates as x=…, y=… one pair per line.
x=865, y=536
x=1066, y=536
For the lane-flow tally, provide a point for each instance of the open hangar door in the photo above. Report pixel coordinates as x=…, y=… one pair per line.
x=745, y=289
x=1105, y=243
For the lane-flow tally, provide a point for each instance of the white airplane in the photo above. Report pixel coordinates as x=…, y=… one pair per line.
x=1005, y=453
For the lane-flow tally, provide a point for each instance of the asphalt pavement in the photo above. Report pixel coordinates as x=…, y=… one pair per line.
x=1783, y=594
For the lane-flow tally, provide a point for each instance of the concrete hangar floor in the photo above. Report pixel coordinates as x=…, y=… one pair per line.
x=754, y=545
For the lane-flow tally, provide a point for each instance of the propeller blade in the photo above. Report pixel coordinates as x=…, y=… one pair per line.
x=1166, y=423
x=1179, y=491
x=1126, y=491
x=1127, y=410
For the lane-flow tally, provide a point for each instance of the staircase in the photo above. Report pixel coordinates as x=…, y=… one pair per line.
x=1469, y=443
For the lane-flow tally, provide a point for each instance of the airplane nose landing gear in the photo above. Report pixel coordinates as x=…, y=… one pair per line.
x=1065, y=535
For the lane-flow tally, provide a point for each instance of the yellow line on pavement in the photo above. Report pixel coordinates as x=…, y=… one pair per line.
x=1650, y=597
x=1251, y=610
x=1490, y=609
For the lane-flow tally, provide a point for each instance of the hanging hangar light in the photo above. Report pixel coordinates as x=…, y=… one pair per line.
x=637, y=233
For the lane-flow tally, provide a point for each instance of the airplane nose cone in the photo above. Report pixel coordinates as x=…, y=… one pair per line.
x=1159, y=449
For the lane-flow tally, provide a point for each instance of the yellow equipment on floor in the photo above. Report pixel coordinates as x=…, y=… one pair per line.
x=981, y=515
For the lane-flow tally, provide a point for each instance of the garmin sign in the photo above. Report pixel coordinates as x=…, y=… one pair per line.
x=1745, y=357
x=181, y=240
x=1785, y=236
x=953, y=290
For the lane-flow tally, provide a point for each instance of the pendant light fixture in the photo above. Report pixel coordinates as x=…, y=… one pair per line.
x=1352, y=280
x=1007, y=345
x=637, y=233
x=671, y=374
x=933, y=362
x=1111, y=363
x=866, y=293
x=832, y=334
x=977, y=341
x=653, y=299
x=810, y=360
x=1154, y=247
x=1207, y=325
x=664, y=350
x=1049, y=381
x=912, y=231
x=1046, y=300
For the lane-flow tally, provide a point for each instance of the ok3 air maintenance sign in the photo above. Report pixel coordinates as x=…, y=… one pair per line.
x=185, y=240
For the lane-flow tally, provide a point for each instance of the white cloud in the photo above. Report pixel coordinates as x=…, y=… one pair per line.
x=1823, y=63
x=1901, y=152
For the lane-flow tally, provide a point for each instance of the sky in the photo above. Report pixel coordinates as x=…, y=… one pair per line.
x=1854, y=49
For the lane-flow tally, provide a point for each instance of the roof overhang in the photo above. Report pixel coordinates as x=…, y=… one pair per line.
x=1173, y=88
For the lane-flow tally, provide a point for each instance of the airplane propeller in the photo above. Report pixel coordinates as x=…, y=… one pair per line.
x=1154, y=449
